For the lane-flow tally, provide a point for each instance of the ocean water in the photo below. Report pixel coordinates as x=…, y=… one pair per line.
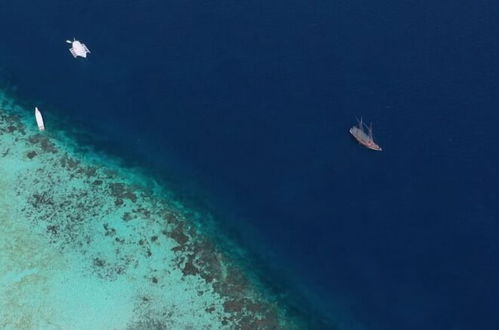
x=245, y=108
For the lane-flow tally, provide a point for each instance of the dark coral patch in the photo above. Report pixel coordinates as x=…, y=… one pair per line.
x=120, y=240
x=171, y=218
x=43, y=142
x=149, y=324
x=99, y=262
x=41, y=199
x=178, y=234
x=52, y=229
x=90, y=171
x=69, y=162
x=235, y=283
x=146, y=213
x=189, y=267
x=121, y=191
x=231, y=306
x=109, y=231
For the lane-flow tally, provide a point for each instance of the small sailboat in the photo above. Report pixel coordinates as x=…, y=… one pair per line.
x=366, y=139
x=78, y=48
x=39, y=119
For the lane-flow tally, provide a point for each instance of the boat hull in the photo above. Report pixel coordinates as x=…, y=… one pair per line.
x=39, y=119
x=364, y=139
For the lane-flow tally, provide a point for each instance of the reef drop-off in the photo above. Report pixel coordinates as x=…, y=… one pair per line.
x=88, y=244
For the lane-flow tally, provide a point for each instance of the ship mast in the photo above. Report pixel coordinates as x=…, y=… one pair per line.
x=370, y=130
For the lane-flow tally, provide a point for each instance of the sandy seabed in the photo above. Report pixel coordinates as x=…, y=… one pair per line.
x=88, y=244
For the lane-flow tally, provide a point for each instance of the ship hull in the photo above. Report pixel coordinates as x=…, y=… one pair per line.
x=364, y=139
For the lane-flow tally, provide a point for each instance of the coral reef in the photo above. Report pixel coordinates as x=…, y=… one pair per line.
x=141, y=257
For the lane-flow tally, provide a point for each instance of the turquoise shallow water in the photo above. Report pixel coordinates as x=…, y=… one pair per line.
x=89, y=244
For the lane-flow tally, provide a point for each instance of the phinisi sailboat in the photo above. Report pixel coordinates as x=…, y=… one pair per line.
x=363, y=137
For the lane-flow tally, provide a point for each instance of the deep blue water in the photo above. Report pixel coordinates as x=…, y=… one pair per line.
x=252, y=101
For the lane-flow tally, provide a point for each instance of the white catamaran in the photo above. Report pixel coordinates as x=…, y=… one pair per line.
x=78, y=48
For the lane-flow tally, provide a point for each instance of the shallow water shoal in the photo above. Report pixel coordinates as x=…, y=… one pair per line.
x=89, y=245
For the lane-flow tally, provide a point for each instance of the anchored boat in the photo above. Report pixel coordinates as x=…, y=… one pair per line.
x=78, y=48
x=39, y=119
x=363, y=137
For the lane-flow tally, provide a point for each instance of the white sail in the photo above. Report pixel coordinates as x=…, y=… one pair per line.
x=39, y=119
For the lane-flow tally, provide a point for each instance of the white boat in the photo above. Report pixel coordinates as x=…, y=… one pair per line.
x=39, y=119
x=78, y=48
